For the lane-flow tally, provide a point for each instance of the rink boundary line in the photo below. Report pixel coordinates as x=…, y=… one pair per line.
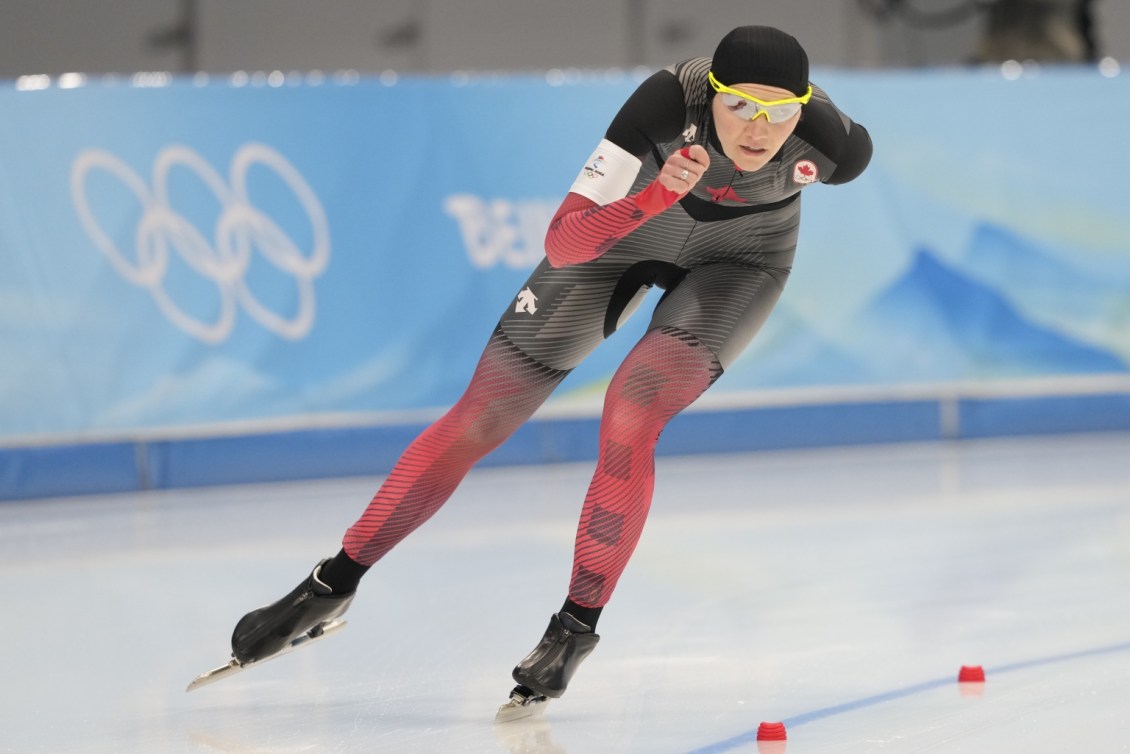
x=901, y=693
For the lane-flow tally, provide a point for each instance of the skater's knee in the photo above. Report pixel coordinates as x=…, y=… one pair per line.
x=479, y=428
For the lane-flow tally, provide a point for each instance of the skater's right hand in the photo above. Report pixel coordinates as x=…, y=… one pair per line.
x=684, y=169
x=677, y=177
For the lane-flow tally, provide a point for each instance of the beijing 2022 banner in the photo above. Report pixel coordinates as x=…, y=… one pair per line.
x=183, y=255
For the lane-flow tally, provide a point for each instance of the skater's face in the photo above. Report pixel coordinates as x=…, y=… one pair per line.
x=752, y=143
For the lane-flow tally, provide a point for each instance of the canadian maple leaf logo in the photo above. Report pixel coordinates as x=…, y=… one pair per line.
x=804, y=172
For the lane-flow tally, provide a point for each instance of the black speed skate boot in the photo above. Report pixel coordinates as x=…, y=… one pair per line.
x=306, y=610
x=545, y=673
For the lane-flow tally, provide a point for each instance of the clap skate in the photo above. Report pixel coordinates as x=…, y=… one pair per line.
x=545, y=673
x=308, y=613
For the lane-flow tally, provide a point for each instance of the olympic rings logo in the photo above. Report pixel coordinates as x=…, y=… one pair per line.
x=240, y=230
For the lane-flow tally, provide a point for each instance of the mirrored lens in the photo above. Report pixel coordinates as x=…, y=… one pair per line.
x=779, y=113
x=744, y=108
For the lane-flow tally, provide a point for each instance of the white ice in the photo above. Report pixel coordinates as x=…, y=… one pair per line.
x=836, y=590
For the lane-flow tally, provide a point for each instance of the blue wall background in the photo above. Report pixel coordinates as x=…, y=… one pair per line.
x=225, y=283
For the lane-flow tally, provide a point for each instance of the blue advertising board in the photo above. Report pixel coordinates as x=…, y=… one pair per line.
x=205, y=258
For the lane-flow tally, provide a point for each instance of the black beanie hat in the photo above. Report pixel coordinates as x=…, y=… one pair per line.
x=761, y=55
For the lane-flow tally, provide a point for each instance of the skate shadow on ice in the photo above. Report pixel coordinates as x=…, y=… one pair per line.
x=257, y=729
x=359, y=725
x=529, y=736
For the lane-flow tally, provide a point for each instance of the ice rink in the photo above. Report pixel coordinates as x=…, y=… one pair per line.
x=836, y=590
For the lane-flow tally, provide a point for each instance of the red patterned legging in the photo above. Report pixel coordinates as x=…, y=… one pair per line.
x=664, y=373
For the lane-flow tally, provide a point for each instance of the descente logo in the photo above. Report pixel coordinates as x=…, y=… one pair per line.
x=501, y=232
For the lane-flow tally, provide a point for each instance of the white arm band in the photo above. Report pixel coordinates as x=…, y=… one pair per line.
x=608, y=175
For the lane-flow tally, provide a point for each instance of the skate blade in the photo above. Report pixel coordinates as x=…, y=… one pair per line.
x=235, y=666
x=519, y=709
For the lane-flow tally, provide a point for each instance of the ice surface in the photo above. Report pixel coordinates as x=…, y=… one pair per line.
x=836, y=590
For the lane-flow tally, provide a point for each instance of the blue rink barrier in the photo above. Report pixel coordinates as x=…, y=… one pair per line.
x=310, y=453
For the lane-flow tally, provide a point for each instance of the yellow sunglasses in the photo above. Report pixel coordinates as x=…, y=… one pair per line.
x=748, y=107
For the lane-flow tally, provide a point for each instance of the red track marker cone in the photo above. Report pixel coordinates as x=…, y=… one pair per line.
x=771, y=732
x=971, y=674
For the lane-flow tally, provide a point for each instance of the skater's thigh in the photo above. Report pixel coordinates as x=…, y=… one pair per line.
x=561, y=314
x=722, y=304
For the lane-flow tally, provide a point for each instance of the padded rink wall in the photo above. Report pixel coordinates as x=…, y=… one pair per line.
x=263, y=278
